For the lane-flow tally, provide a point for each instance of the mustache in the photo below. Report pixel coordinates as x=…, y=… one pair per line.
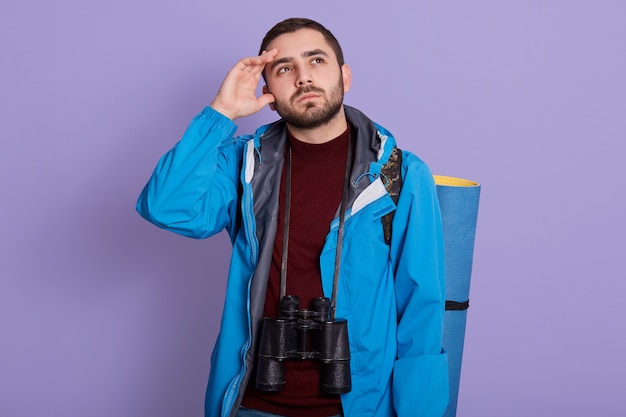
x=305, y=90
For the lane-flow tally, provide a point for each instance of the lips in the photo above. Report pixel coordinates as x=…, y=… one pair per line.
x=308, y=93
x=307, y=96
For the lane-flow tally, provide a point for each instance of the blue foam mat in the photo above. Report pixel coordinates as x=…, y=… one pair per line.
x=458, y=200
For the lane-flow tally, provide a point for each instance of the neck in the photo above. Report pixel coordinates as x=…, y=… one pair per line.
x=324, y=133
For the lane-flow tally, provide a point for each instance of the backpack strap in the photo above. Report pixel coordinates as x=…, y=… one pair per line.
x=391, y=170
x=393, y=184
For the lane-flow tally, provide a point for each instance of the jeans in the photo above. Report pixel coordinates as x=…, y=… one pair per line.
x=248, y=412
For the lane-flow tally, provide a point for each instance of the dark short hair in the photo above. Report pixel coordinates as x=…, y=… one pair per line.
x=296, y=23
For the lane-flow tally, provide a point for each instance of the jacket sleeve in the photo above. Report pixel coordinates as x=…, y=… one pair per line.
x=193, y=189
x=420, y=381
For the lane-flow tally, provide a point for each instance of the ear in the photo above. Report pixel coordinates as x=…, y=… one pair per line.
x=266, y=91
x=346, y=75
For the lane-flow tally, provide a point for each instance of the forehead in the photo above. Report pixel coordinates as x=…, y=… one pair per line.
x=293, y=44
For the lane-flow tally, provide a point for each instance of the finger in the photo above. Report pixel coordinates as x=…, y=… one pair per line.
x=268, y=56
x=248, y=64
x=265, y=58
x=256, y=71
x=253, y=62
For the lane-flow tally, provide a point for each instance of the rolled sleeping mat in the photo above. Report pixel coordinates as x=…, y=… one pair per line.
x=458, y=200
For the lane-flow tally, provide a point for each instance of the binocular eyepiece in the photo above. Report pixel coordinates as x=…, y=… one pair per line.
x=300, y=335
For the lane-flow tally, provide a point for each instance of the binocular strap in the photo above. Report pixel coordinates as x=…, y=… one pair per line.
x=342, y=215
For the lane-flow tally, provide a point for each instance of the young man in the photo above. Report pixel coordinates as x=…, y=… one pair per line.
x=302, y=200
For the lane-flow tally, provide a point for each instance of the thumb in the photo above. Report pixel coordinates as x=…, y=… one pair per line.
x=266, y=99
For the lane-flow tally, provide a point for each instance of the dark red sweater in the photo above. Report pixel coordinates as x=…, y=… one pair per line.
x=317, y=173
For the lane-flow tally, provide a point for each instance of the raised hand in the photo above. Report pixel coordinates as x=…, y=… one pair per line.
x=237, y=94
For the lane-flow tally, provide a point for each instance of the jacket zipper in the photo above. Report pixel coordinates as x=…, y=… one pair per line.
x=233, y=389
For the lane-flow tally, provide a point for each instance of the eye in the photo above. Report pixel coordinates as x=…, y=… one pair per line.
x=317, y=60
x=283, y=70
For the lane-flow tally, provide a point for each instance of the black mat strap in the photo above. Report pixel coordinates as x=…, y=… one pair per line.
x=457, y=305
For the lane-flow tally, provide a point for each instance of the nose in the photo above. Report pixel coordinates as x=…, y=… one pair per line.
x=304, y=78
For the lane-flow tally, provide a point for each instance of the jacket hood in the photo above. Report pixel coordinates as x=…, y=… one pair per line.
x=373, y=146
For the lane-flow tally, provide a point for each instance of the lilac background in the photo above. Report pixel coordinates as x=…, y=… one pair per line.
x=102, y=314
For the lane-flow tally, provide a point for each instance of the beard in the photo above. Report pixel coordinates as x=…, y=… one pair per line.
x=314, y=115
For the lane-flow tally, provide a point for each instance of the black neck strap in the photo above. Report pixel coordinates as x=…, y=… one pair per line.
x=342, y=215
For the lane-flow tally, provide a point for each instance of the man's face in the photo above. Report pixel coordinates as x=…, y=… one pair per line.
x=305, y=79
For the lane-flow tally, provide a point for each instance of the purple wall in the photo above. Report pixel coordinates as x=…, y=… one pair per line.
x=102, y=314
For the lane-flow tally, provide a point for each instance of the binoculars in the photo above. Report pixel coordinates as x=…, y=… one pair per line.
x=301, y=335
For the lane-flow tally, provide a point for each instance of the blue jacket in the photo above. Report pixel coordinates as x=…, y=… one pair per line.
x=391, y=295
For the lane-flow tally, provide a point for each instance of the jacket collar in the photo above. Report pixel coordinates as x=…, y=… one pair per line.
x=370, y=136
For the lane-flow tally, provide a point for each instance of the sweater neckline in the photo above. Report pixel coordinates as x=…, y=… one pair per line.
x=322, y=154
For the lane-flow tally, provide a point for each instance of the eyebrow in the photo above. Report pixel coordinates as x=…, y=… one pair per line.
x=305, y=54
